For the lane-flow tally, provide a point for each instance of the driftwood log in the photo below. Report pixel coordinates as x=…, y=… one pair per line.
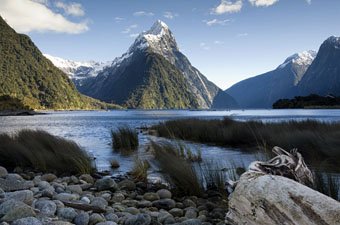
x=270, y=199
x=275, y=192
x=84, y=206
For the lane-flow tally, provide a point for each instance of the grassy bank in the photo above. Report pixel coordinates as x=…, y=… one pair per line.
x=41, y=151
x=312, y=138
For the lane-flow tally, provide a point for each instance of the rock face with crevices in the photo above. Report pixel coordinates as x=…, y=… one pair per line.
x=268, y=200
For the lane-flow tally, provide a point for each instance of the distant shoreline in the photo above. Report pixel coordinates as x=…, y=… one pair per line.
x=20, y=113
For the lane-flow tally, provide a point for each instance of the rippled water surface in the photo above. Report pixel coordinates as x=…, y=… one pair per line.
x=91, y=129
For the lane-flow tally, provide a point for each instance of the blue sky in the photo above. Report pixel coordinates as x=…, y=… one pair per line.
x=227, y=40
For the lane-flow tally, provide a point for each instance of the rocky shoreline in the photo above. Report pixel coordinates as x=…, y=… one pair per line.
x=36, y=198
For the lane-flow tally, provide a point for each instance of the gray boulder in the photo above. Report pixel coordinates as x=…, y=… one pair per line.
x=127, y=185
x=99, y=202
x=25, y=196
x=166, y=204
x=27, y=220
x=66, y=197
x=140, y=219
x=151, y=196
x=191, y=222
x=82, y=219
x=12, y=210
x=67, y=214
x=267, y=200
x=106, y=183
x=46, y=207
x=3, y=172
x=164, y=193
x=15, y=183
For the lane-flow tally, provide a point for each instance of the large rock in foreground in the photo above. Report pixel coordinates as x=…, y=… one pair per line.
x=267, y=199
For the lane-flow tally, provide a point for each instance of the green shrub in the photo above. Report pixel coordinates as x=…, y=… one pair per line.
x=124, y=139
x=41, y=151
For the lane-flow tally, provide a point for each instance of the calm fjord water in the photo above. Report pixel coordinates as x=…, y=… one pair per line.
x=91, y=129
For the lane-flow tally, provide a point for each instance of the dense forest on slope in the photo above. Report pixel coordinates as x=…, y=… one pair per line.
x=25, y=74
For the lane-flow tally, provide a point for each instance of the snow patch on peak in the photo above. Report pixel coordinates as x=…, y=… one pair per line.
x=304, y=58
x=159, y=27
x=158, y=39
x=299, y=63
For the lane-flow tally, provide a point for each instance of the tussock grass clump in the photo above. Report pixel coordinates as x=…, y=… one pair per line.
x=39, y=150
x=139, y=171
x=312, y=138
x=192, y=178
x=177, y=171
x=124, y=139
x=180, y=150
x=114, y=164
x=214, y=177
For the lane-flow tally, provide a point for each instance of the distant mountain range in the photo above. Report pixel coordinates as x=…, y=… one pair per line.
x=27, y=76
x=152, y=74
x=300, y=75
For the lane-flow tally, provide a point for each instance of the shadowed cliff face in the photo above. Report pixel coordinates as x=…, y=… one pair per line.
x=323, y=76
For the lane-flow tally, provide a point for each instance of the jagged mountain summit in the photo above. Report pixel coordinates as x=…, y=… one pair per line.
x=299, y=64
x=263, y=90
x=153, y=73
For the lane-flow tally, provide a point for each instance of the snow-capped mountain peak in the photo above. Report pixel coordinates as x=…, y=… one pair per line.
x=299, y=63
x=158, y=28
x=158, y=39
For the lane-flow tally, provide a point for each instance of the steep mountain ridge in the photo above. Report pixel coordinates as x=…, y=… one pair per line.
x=159, y=43
x=27, y=75
x=323, y=76
x=263, y=90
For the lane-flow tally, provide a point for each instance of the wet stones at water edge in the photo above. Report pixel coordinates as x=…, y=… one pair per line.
x=85, y=200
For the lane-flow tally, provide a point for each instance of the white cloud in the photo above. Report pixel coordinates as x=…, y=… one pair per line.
x=72, y=8
x=143, y=13
x=28, y=15
x=309, y=2
x=129, y=28
x=216, y=22
x=134, y=35
x=119, y=19
x=218, y=42
x=242, y=35
x=263, y=3
x=170, y=15
x=204, y=46
x=228, y=6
